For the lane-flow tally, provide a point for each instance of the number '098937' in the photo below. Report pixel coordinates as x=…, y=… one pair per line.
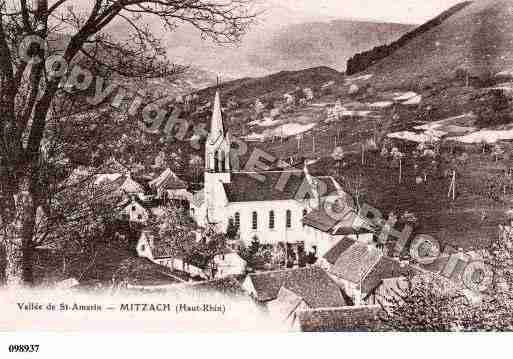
x=25, y=348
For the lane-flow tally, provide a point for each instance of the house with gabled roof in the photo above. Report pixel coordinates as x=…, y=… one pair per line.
x=269, y=205
x=327, y=229
x=169, y=186
x=366, y=275
x=133, y=211
x=285, y=292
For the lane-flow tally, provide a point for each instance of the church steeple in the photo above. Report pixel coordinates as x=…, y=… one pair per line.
x=217, y=126
x=217, y=148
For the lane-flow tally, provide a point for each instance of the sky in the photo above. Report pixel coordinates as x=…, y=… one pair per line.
x=404, y=11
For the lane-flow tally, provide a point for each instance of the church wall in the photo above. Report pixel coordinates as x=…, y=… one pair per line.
x=266, y=235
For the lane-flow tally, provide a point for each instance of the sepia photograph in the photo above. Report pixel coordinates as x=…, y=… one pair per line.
x=255, y=166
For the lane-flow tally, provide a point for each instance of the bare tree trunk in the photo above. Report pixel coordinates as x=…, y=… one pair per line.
x=18, y=245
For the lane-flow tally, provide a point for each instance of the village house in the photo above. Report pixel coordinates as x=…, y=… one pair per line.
x=285, y=292
x=327, y=229
x=133, y=211
x=365, y=274
x=225, y=263
x=169, y=187
x=269, y=205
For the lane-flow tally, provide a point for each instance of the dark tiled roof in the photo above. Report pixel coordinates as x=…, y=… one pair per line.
x=142, y=271
x=271, y=186
x=356, y=262
x=386, y=268
x=346, y=319
x=112, y=166
x=320, y=220
x=334, y=253
x=228, y=285
x=163, y=250
x=312, y=284
x=168, y=180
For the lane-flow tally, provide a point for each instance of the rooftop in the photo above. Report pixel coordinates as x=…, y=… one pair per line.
x=342, y=319
x=312, y=284
x=273, y=186
x=355, y=263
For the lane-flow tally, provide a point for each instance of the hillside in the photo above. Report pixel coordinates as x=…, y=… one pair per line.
x=270, y=48
x=477, y=39
x=248, y=89
x=322, y=43
x=364, y=60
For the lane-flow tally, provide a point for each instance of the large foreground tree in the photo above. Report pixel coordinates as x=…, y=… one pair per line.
x=31, y=100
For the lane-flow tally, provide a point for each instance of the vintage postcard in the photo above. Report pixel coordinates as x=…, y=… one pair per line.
x=256, y=166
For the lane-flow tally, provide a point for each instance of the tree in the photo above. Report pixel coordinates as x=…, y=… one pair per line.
x=398, y=158
x=423, y=305
x=32, y=97
x=338, y=155
x=435, y=304
x=179, y=232
x=196, y=164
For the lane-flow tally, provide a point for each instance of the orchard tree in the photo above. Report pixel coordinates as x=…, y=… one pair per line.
x=424, y=305
x=338, y=156
x=32, y=90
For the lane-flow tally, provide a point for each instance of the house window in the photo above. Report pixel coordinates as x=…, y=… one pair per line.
x=254, y=221
x=305, y=212
x=271, y=219
x=133, y=208
x=288, y=218
x=139, y=216
x=237, y=219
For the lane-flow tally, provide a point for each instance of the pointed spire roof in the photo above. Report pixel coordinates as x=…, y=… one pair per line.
x=217, y=126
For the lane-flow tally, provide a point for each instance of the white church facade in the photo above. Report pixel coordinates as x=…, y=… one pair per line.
x=269, y=205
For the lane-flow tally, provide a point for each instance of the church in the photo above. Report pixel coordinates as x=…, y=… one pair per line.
x=270, y=205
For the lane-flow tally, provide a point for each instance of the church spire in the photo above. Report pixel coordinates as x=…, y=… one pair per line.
x=216, y=126
x=217, y=149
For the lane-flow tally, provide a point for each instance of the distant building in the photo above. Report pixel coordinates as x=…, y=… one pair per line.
x=133, y=211
x=289, y=99
x=308, y=92
x=169, y=186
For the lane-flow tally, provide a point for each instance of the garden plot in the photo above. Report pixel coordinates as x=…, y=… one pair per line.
x=428, y=136
x=405, y=96
x=380, y=104
x=488, y=136
x=452, y=126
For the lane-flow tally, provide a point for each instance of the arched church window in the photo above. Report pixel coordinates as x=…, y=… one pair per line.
x=288, y=218
x=271, y=219
x=254, y=221
x=237, y=219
